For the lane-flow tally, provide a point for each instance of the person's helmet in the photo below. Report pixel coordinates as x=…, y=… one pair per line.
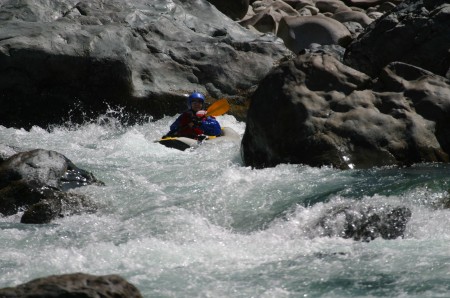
x=196, y=95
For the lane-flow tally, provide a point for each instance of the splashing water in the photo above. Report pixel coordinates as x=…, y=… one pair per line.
x=198, y=223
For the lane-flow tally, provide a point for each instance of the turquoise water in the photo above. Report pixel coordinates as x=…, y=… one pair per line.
x=200, y=224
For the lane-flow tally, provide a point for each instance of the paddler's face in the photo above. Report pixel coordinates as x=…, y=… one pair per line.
x=196, y=105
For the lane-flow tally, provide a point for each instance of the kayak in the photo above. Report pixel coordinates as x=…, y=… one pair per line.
x=183, y=143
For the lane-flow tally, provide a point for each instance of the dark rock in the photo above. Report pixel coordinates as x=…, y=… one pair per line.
x=74, y=285
x=63, y=58
x=35, y=181
x=416, y=32
x=16, y=195
x=316, y=111
x=235, y=9
x=42, y=212
x=54, y=204
x=365, y=222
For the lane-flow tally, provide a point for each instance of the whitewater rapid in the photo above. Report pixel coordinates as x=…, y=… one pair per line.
x=198, y=223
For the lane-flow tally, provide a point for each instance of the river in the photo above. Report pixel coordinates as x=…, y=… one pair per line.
x=198, y=223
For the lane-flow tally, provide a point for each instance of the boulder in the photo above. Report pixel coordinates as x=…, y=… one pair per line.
x=36, y=181
x=331, y=6
x=300, y=32
x=268, y=15
x=353, y=16
x=367, y=3
x=47, y=168
x=314, y=110
x=416, y=32
x=264, y=21
x=67, y=58
x=74, y=285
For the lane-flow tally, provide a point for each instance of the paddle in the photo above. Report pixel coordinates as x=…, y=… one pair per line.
x=218, y=108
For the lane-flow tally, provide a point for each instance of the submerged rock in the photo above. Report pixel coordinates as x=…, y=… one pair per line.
x=364, y=222
x=74, y=285
x=36, y=181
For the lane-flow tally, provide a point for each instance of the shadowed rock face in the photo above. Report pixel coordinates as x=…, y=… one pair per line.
x=60, y=57
x=316, y=111
x=235, y=9
x=74, y=285
x=415, y=32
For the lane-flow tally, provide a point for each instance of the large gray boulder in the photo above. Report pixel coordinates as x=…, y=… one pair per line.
x=416, y=32
x=315, y=110
x=65, y=58
x=74, y=285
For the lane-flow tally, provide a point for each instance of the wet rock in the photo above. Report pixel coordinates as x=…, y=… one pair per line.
x=316, y=111
x=74, y=285
x=36, y=181
x=47, y=168
x=364, y=222
x=415, y=32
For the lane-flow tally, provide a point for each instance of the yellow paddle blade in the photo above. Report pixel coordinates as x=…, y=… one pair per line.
x=218, y=108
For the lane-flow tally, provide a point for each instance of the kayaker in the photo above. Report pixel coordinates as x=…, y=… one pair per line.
x=194, y=123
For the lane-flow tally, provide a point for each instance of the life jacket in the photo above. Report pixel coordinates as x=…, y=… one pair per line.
x=207, y=125
x=210, y=126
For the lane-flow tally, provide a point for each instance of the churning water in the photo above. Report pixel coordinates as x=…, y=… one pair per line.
x=200, y=224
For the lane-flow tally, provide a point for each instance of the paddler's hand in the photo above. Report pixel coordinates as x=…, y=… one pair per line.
x=201, y=113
